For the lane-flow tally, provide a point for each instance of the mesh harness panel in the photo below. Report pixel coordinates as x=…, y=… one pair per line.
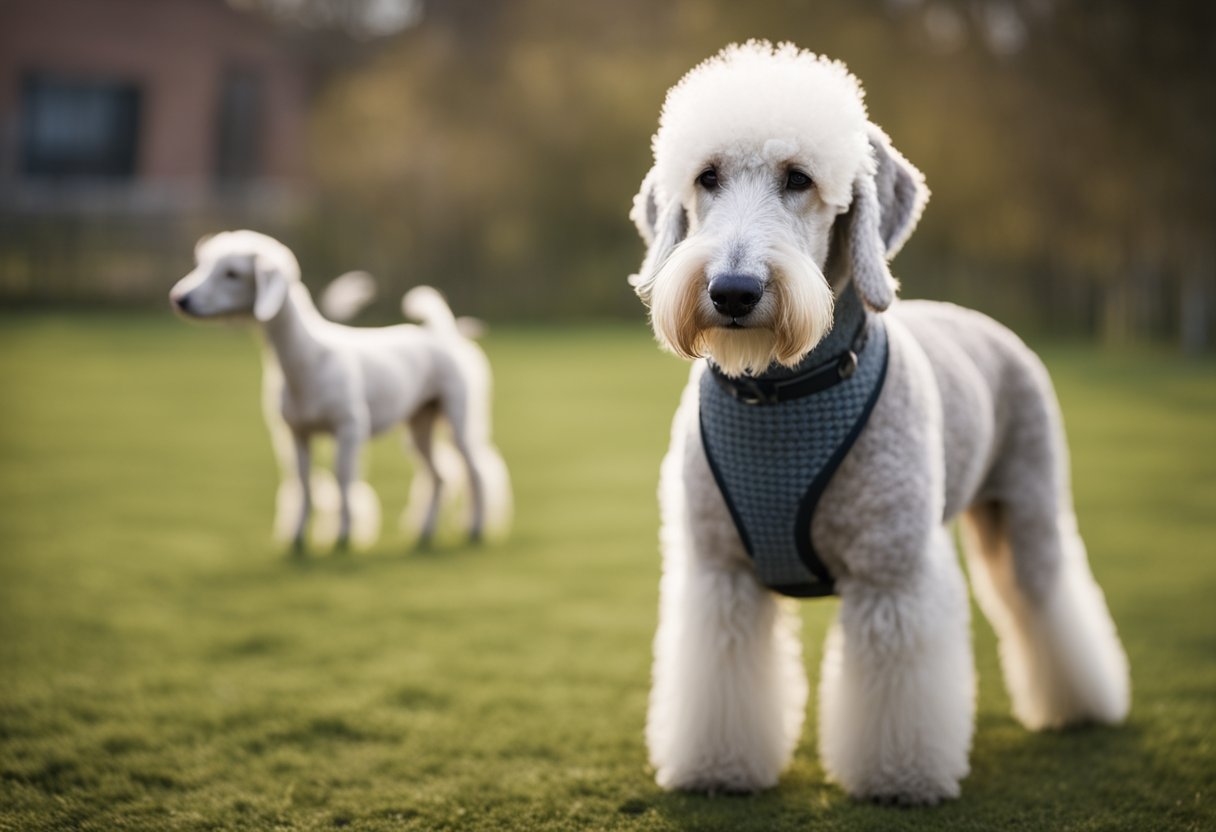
x=773, y=459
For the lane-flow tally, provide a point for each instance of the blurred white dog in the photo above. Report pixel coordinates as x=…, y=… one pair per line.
x=822, y=447
x=321, y=377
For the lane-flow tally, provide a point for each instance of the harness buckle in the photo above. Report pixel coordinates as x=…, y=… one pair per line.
x=847, y=365
x=756, y=394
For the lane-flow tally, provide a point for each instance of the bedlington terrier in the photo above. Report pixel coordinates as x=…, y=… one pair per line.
x=823, y=445
x=320, y=377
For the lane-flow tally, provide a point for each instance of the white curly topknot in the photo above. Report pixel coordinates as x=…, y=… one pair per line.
x=761, y=100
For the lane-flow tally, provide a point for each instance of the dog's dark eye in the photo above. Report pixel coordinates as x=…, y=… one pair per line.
x=232, y=274
x=708, y=179
x=796, y=180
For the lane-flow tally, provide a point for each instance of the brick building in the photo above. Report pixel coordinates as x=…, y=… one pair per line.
x=128, y=126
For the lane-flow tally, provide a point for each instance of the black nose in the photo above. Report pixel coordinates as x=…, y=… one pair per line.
x=183, y=303
x=735, y=294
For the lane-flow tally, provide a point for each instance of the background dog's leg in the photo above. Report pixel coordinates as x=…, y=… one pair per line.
x=422, y=433
x=457, y=409
x=287, y=500
x=288, y=497
x=897, y=689
x=346, y=468
x=477, y=492
x=303, y=466
x=729, y=690
x=1060, y=653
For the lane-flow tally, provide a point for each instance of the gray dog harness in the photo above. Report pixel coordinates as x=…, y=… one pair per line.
x=775, y=440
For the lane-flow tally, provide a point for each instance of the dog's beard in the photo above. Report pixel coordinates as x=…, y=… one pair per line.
x=791, y=319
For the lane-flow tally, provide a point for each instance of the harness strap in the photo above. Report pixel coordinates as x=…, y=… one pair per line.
x=773, y=463
x=751, y=390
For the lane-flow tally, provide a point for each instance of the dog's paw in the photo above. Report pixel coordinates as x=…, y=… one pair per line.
x=910, y=791
x=905, y=801
x=725, y=780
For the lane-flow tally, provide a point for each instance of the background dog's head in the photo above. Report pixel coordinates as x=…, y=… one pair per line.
x=770, y=191
x=239, y=273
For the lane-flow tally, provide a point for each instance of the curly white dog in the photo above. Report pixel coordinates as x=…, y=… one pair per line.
x=824, y=445
x=321, y=377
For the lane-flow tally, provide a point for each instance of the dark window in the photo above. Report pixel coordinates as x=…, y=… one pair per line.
x=78, y=128
x=238, y=148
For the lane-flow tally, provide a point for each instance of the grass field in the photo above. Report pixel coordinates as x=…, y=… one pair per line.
x=163, y=666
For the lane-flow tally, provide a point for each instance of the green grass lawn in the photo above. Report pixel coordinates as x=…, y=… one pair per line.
x=164, y=666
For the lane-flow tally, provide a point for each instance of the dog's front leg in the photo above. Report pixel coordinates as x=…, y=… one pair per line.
x=350, y=437
x=729, y=690
x=897, y=688
x=303, y=445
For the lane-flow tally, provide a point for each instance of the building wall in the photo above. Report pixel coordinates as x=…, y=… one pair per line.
x=123, y=236
x=177, y=52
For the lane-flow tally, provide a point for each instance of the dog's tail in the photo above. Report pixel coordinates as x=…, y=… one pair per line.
x=347, y=295
x=425, y=305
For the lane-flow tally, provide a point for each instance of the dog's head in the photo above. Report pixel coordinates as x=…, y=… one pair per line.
x=770, y=190
x=238, y=273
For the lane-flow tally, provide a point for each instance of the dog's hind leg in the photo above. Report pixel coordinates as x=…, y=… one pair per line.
x=728, y=695
x=1060, y=654
x=465, y=436
x=422, y=434
x=897, y=686
x=465, y=401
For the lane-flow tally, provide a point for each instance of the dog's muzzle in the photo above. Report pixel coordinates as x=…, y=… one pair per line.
x=735, y=295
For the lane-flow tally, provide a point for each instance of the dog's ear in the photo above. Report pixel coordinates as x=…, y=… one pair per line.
x=902, y=193
x=202, y=241
x=662, y=227
x=886, y=207
x=271, y=284
x=645, y=210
